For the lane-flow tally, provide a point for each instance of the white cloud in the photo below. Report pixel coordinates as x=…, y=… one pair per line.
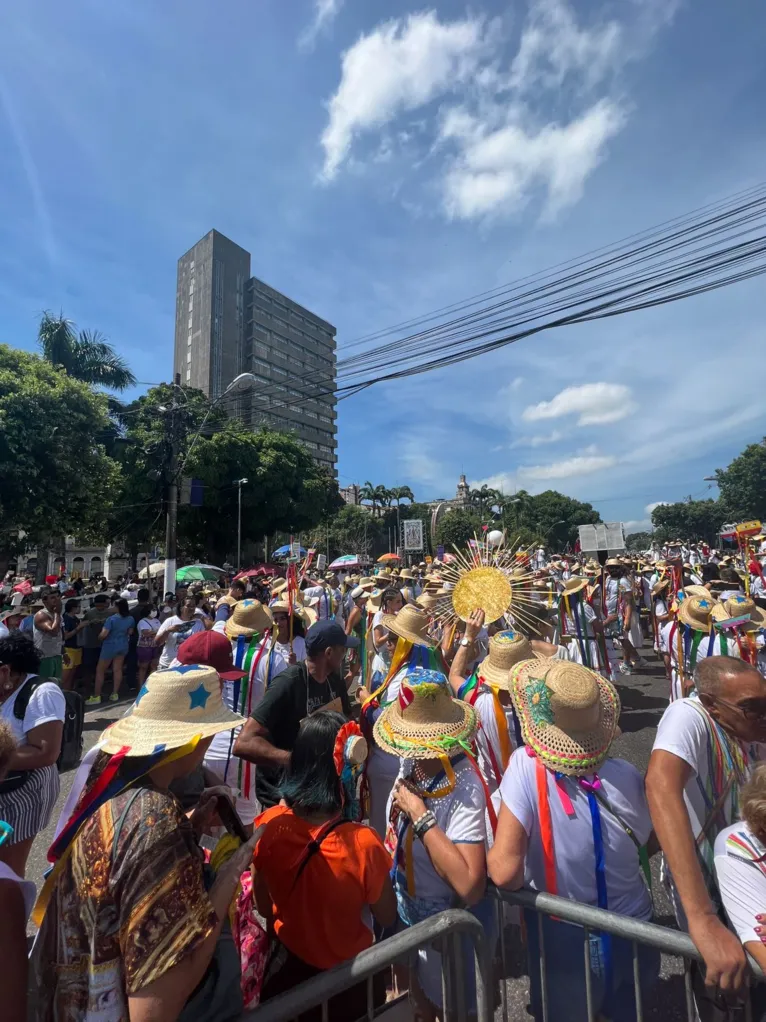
x=594, y=403
x=401, y=65
x=505, y=482
x=579, y=465
x=538, y=441
x=516, y=383
x=497, y=169
x=650, y=507
x=325, y=12
x=553, y=46
x=637, y=525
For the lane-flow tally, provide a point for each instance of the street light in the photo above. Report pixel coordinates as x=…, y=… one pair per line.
x=239, y=484
x=240, y=384
x=561, y=521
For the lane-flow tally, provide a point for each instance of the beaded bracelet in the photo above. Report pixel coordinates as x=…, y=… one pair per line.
x=423, y=824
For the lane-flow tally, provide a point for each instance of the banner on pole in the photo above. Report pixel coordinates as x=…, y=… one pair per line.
x=321, y=562
x=413, y=534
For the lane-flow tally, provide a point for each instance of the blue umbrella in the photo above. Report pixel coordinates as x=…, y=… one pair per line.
x=284, y=551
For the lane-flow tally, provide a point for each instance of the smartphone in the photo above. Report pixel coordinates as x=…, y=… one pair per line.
x=230, y=820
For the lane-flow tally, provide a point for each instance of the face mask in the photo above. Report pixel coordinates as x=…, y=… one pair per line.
x=152, y=613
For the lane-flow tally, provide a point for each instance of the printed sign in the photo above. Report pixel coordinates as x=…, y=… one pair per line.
x=413, y=534
x=321, y=562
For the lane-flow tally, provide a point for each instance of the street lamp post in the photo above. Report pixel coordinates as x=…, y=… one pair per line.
x=239, y=483
x=238, y=385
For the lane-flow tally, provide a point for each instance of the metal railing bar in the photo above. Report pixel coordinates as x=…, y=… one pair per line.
x=588, y=976
x=457, y=953
x=543, y=968
x=375, y=959
x=672, y=942
x=499, y=918
x=637, y=983
x=691, y=1009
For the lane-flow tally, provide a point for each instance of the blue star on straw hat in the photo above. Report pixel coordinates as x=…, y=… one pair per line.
x=198, y=697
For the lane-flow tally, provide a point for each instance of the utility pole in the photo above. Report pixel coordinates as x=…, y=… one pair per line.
x=238, y=483
x=171, y=527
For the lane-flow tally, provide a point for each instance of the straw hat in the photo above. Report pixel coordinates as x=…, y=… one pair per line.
x=740, y=606
x=573, y=585
x=410, y=623
x=383, y=576
x=278, y=585
x=695, y=611
x=428, y=601
x=568, y=714
x=247, y=618
x=505, y=650
x=694, y=590
x=172, y=707
x=407, y=574
x=373, y=601
x=306, y=614
x=13, y=612
x=425, y=721
x=658, y=587
x=613, y=562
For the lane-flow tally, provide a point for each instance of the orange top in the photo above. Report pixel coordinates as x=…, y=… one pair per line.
x=324, y=919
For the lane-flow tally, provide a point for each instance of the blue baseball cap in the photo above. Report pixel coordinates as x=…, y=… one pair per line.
x=324, y=634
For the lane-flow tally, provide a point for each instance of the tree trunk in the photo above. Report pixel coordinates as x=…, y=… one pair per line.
x=43, y=550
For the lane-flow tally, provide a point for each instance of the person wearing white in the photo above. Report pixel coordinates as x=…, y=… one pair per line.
x=328, y=601
x=705, y=750
x=37, y=730
x=175, y=629
x=740, y=868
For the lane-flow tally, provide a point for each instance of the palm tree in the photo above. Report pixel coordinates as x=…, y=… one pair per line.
x=369, y=492
x=400, y=493
x=86, y=356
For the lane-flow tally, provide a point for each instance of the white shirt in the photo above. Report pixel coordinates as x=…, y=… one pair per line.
x=299, y=648
x=325, y=599
x=147, y=630
x=682, y=731
x=488, y=737
x=615, y=587
x=174, y=639
x=264, y=673
x=741, y=880
x=460, y=815
x=46, y=703
x=574, y=854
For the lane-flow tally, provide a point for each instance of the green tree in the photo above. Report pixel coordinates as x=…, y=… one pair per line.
x=57, y=478
x=688, y=520
x=639, y=540
x=551, y=517
x=456, y=527
x=286, y=490
x=399, y=493
x=743, y=485
x=86, y=356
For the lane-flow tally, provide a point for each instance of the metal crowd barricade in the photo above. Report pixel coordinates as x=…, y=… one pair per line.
x=664, y=939
x=444, y=931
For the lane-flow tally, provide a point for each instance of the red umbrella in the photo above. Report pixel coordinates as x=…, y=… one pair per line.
x=259, y=571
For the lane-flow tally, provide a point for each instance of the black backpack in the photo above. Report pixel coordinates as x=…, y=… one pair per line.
x=71, y=737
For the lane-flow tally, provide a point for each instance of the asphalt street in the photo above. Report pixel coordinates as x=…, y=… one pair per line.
x=644, y=695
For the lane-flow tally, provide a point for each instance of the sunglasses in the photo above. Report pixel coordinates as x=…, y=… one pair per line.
x=749, y=713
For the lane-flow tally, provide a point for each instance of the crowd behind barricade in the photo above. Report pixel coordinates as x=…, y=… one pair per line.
x=311, y=765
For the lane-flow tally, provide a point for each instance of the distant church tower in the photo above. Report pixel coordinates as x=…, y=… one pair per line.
x=463, y=490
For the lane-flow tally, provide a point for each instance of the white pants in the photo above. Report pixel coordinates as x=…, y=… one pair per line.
x=247, y=808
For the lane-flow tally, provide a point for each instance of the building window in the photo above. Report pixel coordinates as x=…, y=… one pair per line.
x=278, y=371
x=189, y=324
x=191, y=287
x=188, y=356
x=261, y=350
x=261, y=365
x=188, y=373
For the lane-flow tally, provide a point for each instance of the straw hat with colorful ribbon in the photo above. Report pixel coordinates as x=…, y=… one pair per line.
x=506, y=649
x=740, y=607
x=568, y=714
x=573, y=585
x=172, y=708
x=696, y=612
x=660, y=587
x=695, y=590
x=247, y=618
x=410, y=623
x=426, y=721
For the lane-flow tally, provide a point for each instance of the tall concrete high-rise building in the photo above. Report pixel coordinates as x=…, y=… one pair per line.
x=228, y=322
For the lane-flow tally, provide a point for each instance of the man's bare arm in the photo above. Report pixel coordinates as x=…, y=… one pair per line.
x=253, y=744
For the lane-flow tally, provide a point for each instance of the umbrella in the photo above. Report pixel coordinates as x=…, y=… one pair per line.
x=284, y=551
x=388, y=557
x=199, y=573
x=158, y=568
x=259, y=571
x=346, y=561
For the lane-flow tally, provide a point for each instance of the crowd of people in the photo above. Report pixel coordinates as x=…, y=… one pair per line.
x=309, y=766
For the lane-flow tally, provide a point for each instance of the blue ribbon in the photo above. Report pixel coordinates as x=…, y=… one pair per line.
x=603, y=900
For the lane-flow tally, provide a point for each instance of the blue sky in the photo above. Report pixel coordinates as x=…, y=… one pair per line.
x=380, y=160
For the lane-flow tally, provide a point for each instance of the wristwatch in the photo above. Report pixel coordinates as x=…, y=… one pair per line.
x=465, y=642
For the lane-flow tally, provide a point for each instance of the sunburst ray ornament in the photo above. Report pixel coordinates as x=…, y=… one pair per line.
x=487, y=576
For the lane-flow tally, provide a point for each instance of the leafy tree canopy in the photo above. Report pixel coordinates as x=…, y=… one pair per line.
x=456, y=527
x=86, y=356
x=639, y=540
x=743, y=485
x=688, y=519
x=56, y=475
